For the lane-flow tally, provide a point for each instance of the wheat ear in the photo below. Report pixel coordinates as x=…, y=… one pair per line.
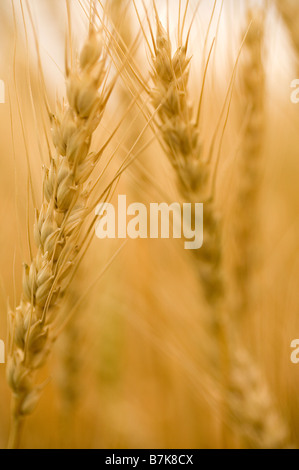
x=289, y=10
x=249, y=396
x=183, y=146
x=252, y=78
x=252, y=408
x=57, y=227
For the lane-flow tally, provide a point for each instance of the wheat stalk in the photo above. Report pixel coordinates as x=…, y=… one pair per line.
x=183, y=145
x=57, y=229
x=118, y=12
x=69, y=361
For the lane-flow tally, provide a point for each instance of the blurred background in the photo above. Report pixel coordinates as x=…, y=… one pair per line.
x=132, y=368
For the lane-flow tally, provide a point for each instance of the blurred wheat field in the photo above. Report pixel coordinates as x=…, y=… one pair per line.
x=141, y=362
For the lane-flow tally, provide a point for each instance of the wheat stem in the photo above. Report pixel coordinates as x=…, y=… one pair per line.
x=15, y=434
